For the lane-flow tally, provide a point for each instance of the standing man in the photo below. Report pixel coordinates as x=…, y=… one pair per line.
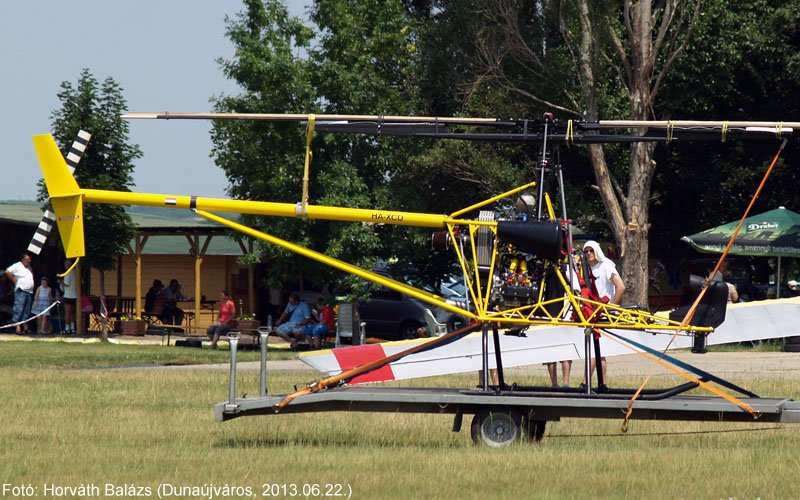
x=608, y=284
x=21, y=275
x=69, y=285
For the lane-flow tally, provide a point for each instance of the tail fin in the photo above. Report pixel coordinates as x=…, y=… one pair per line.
x=65, y=194
x=48, y=219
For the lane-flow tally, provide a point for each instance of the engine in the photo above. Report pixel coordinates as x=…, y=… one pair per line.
x=516, y=282
x=523, y=247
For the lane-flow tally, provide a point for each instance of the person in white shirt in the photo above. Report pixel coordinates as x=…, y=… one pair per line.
x=608, y=283
x=69, y=286
x=21, y=275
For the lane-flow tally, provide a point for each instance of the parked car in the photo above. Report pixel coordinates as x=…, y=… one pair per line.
x=391, y=315
x=742, y=275
x=454, y=291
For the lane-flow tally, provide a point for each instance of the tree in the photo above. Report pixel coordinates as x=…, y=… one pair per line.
x=741, y=65
x=500, y=58
x=362, y=63
x=584, y=59
x=107, y=164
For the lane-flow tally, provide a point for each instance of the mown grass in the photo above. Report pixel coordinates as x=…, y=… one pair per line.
x=152, y=426
x=22, y=354
x=774, y=345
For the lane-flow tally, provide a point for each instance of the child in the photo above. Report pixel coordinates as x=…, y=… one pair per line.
x=325, y=324
x=41, y=301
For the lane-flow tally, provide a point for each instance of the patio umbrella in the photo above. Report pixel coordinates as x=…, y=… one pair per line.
x=772, y=234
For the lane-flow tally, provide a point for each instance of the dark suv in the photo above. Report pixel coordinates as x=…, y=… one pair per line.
x=391, y=315
x=742, y=276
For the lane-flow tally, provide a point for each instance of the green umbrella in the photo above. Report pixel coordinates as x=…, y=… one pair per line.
x=772, y=234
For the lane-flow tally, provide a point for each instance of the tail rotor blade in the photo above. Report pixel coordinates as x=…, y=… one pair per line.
x=78, y=149
x=42, y=231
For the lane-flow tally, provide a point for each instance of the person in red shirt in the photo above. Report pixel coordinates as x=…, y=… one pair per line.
x=227, y=310
x=326, y=323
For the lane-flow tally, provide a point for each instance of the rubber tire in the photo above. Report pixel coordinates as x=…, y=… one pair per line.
x=496, y=427
x=791, y=348
x=408, y=331
x=455, y=322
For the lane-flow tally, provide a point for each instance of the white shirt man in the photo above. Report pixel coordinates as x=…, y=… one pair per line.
x=21, y=275
x=608, y=284
x=606, y=277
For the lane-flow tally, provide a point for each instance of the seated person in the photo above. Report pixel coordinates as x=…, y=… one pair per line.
x=316, y=331
x=172, y=314
x=294, y=317
x=227, y=310
x=152, y=295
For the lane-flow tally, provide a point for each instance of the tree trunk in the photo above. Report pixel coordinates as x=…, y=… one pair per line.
x=634, y=262
x=639, y=45
x=634, y=241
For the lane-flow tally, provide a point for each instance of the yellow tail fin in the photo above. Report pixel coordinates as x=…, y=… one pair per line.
x=65, y=194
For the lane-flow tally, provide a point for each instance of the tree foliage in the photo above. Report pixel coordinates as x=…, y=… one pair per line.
x=503, y=58
x=741, y=65
x=362, y=62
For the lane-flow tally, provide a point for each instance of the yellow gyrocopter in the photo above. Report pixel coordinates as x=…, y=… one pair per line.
x=519, y=271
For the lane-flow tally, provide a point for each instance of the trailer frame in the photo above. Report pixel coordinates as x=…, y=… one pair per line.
x=502, y=415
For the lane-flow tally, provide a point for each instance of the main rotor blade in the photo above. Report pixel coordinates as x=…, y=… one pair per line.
x=512, y=131
x=695, y=123
x=289, y=117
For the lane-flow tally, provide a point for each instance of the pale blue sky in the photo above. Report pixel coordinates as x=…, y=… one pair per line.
x=162, y=52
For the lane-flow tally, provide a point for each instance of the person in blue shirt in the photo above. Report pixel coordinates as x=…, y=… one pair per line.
x=296, y=315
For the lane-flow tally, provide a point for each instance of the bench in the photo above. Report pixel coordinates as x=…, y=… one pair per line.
x=153, y=319
x=256, y=334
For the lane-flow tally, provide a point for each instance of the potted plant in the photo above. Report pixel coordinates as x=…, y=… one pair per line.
x=132, y=325
x=246, y=322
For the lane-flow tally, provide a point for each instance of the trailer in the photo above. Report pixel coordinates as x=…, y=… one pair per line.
x=502, y=416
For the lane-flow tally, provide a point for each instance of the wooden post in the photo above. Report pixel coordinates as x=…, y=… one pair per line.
x=137, y=255
x=78, y=296
x=198, y=252
x=198, y=264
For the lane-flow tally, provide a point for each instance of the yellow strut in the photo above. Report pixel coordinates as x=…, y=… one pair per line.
x=422, y=295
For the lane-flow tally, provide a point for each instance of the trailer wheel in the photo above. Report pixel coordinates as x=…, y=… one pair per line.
x=496, y=427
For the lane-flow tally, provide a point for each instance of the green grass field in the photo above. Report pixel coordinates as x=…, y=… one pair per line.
x=69, y=423
x=107, y=355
